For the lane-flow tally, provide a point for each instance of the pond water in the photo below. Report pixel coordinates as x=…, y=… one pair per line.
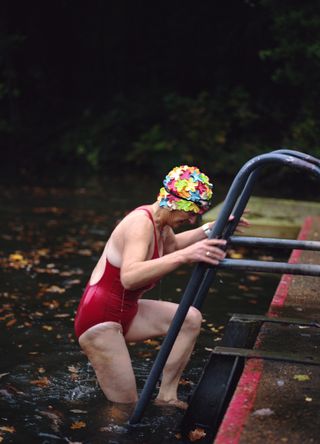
x=50, y=240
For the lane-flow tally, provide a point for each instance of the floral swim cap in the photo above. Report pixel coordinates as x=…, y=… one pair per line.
x=187, y=189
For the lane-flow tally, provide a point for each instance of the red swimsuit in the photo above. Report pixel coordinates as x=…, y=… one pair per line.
x=108, y=300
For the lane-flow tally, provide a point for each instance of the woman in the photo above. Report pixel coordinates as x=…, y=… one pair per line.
x=140, y=251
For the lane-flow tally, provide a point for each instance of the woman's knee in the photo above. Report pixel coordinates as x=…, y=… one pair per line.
x=193, y=320
x=100, y=336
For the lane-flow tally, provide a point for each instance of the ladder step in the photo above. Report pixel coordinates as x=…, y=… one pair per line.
x=282, y=320
x=267, y=355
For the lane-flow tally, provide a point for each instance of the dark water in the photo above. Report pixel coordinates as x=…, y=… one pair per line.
x=50, y=240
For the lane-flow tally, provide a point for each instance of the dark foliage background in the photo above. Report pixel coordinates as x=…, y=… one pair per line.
x=109, y=84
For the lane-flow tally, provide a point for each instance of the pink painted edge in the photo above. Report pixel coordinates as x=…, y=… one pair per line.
x=243, y=400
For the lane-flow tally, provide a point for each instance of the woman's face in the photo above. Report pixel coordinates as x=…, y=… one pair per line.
x=178, y=218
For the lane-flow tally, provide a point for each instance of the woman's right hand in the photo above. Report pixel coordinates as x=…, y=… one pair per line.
x=206, y=250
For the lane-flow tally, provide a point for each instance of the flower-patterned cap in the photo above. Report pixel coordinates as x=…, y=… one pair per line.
x=187, y=189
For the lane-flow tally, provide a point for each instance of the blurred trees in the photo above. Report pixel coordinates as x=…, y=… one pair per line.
x=106, y=84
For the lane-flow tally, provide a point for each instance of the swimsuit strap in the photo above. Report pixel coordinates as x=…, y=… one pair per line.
x=156, y=249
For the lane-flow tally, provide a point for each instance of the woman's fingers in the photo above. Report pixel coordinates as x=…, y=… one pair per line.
x=211, y=251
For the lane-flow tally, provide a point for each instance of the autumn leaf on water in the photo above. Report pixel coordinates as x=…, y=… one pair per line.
x=235, y=255
x=301, y=378
x=51, y=304
x=17, y=260
x=8, y=429
x=196, y=434
x=4, y=374
x=55, y=289
x=16, y=257
x=185, y=382
x=74, y=372
x=47, y=327
x=78, y=425
x=253, y=278
x=42, y=382
x=85, y=252
x=151, y=342
x=11, y=323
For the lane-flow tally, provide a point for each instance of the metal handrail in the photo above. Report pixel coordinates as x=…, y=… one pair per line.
x=201, y=278
x=269, y=242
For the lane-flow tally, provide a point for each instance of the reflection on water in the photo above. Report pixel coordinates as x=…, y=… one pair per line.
x=50, y=239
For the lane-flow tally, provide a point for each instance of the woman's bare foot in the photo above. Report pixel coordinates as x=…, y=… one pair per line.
x=172, y=402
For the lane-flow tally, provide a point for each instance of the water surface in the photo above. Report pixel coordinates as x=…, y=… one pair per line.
x=50, y=240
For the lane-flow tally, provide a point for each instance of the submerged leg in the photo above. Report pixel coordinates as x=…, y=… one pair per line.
x=107, y=351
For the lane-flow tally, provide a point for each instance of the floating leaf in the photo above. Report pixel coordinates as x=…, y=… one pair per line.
x=253, y=278
x=55, y=289
x=7, y=429
x=16, y=257
x=263, y=412
x=186, y=382
x=235, y=255
x=78, y=425
x=197, y=434
x=152, y=342
x=42, y=382
x=85, y=252
x=47, y=327
x=4, y=374
x=301, y=378
x=11, y=323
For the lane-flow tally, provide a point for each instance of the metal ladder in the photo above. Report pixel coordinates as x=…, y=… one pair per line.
x=203, y=275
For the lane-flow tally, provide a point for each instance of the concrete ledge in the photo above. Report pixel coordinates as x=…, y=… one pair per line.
x=271, y=217
x=279, y=402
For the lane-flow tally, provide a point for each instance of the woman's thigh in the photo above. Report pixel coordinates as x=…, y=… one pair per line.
x=152, y=319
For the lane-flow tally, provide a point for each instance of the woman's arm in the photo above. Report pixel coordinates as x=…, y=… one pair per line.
x=137, y=271
x=189, y=237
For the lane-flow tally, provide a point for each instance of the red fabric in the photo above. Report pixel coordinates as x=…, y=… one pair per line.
x=107, y=300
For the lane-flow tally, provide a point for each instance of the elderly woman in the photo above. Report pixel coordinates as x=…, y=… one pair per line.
x=140, y=251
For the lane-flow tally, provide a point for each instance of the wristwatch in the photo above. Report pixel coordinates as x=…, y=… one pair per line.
x=206, y=228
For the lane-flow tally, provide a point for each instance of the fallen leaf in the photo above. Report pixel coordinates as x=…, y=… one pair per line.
x=4, y=374
x=11, y=323
x=196, y=434
x=42, y=382
x=301, y=378
x=235, y=255
x=263, y=412
x=253, y=278
x=7, y=429
x=47, y=327
x=55, y=289
x=151, y=342
x=16, y=257
x=85, y=252
x=186, y=382
x=78, y=425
